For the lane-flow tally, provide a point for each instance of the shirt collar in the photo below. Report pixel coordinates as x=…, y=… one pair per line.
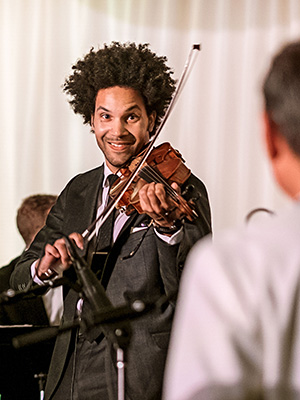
x=107, y=172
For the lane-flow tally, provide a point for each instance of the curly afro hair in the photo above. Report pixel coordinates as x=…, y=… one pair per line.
x=125, y=65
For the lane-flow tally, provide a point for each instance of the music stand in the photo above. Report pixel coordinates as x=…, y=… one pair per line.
x=19, y=366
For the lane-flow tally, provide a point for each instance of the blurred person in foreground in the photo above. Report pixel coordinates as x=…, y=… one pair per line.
x=31, y=217
x=237, y=325
x=122, y=91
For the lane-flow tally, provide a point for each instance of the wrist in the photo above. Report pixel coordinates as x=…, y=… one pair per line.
x=44, y=275
x=167, y=230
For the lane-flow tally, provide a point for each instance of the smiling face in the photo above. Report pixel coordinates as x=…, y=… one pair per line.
x=121, y=124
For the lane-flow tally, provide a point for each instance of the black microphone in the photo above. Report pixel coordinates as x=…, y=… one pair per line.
x=94, y=293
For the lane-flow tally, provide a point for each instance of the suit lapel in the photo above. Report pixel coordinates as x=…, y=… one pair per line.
x=91, y=195
x=134, y=220
x=86, y=203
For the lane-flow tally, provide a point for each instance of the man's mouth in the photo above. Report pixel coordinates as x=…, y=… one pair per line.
x=119, y=146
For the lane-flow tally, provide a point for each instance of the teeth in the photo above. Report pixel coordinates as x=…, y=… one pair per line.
x=116, y=145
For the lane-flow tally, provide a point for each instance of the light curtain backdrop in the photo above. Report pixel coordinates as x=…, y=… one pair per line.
x=216, y=123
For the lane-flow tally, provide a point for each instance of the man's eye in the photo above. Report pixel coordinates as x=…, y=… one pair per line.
x=105, y=116
x=132, y=117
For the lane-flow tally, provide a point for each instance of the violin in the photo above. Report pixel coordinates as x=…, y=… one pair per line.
x=163, y=165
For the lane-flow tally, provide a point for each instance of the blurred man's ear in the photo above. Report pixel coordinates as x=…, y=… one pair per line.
x=270, y=133
x=278, y=148
x=285, y=163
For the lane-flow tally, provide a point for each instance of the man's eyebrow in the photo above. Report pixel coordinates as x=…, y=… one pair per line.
x=102, y=108
x=127, y=110
x=133, y=107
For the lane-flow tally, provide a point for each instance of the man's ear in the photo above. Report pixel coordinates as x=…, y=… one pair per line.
x=151, y=123
x=284, y=161
x=270, y=136
x=92, y=123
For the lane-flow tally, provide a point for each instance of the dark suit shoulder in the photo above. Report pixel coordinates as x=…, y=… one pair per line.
x=194, y=190
x=87, y=176
x=5, y=273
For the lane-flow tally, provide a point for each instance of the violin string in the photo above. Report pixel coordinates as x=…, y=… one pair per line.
x=158, y=178
x=151, y=175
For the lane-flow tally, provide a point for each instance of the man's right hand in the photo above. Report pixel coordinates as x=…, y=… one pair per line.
x=57, y=257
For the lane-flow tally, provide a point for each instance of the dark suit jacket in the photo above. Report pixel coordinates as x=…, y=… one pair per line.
x=30, y=311
x=152, y=272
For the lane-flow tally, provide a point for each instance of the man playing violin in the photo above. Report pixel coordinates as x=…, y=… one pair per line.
x=122, y=91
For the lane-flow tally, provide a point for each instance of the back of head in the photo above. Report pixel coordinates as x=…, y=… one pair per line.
x=32, y=214
x=282, y=94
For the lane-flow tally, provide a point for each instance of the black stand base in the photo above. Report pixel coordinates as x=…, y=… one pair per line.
x=19, y=367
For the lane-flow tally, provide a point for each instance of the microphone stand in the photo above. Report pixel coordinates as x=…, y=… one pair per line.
x=109, y=315
x=114, y=321
x=93, y=292
x=11, y=296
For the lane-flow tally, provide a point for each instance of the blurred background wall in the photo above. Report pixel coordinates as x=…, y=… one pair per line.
x=216, y=123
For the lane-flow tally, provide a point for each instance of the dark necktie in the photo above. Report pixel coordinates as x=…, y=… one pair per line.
x=102, y=246
x=105, y=233
x=102, y=242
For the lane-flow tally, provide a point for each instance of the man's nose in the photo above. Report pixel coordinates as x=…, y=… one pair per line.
x=118, y=127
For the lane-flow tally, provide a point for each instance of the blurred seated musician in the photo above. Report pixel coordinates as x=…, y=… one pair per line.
x=236, y=332
x=31, y=217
